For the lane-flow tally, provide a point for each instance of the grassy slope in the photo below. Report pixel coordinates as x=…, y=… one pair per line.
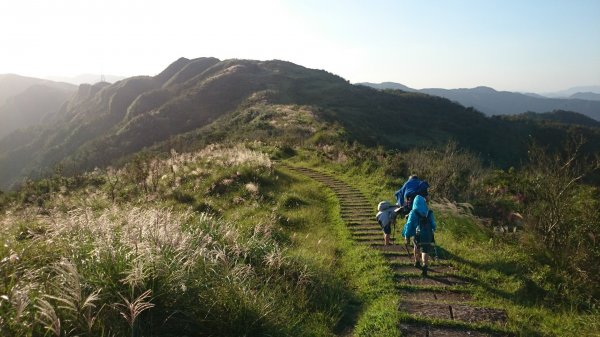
x=272, y=259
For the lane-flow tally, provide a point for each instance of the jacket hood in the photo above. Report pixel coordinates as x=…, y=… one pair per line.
x=420, y=205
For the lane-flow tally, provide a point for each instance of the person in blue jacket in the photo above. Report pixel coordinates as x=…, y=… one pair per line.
x=411, y=188
x=420, y=225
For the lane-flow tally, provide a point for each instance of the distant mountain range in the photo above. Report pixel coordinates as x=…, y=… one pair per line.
x=11, y=85
x=591, y=96
x=206, y=100
x=26, y=101
x=573, y=91
x=492, y=102
x=87, y=78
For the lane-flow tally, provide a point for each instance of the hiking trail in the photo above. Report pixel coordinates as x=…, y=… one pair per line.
x=436, y=305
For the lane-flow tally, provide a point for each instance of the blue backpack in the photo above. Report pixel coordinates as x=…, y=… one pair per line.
x=424, y=232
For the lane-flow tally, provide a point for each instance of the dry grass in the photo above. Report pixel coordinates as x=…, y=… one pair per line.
x=70, y=263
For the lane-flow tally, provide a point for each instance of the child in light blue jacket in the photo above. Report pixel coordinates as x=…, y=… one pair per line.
x=421, y=226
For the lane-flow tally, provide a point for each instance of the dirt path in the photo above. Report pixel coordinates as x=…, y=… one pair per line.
x=435, y=305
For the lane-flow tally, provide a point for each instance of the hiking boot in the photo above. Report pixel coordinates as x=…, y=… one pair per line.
x=424, y=272
x=418, y=264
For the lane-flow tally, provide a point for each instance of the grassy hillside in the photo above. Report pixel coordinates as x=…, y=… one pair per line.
x=559, y=116
x=223, y=241
x=217, y=242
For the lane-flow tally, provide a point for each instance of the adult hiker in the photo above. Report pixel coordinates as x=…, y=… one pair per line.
x=386, y=217
x=411, y=188
x=420, y=225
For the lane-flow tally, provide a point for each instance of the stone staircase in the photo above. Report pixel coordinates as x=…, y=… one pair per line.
x=435, y=305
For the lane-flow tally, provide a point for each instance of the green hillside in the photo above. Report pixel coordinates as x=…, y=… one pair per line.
x=559, y=116
x=235, y=240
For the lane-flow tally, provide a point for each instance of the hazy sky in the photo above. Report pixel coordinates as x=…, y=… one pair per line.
x=522, y=45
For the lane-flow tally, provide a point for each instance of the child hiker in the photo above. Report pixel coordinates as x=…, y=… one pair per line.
x=421, y=225
x=386, y=217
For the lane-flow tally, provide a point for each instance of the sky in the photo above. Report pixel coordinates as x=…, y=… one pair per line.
x=524, y=45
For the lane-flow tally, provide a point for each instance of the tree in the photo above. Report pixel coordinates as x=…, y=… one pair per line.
x=554, y=180
x=113, y=180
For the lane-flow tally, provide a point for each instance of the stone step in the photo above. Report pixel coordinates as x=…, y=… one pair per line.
x=370, y=233
x=399, y=248
x=366, y=230
x=393, y=255
x=398, y=263
x=415, y=330
x=372, y=240
x=360, y=221
x=430, y=280
x=364, y=209
x=373, y=233
x=455, y=312
x=362, y=202
x=435, y=296
x=359, y=228
x=431, y=270
x=362, y=215
x=358, y=201
x=361, y=225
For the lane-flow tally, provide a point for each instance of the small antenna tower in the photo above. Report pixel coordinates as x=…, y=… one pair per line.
x=102, y=78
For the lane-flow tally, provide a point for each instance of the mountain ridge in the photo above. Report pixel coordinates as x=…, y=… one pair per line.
x=251, y=99
x=493, y=102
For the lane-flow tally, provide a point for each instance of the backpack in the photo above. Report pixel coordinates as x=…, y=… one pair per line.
x=386, y=214
x=424, y=233
x=382, y=206
x=421, y=190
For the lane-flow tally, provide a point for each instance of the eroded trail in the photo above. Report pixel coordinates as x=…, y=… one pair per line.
x=436, y=305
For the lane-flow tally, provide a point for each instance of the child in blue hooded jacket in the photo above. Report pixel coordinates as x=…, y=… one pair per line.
x=421, y=225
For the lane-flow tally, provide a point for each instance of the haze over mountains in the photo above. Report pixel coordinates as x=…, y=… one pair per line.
x=492, y=102
x=571, y=92
x=206, y=99
x=26, y=101
x=87, y=78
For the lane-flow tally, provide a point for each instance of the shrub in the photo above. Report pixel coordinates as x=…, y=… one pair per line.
x=563, y=216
